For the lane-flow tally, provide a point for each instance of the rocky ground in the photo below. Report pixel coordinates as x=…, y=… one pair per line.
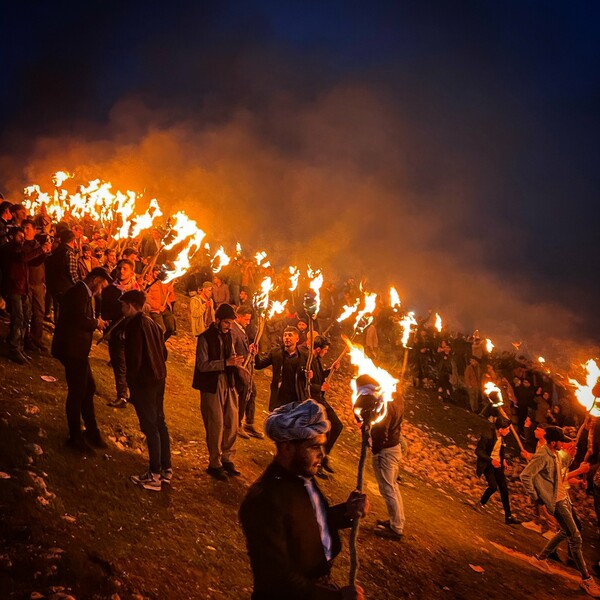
x=73, y=527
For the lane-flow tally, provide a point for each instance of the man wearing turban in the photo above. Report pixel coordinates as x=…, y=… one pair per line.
x=291, y=531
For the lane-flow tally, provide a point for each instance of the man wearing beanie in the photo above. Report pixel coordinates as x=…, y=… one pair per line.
x=291, y=531
x=492, y=464
x=544, y=479
x=214, y=376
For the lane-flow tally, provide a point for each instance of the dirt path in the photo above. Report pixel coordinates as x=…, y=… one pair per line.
x=79, y=526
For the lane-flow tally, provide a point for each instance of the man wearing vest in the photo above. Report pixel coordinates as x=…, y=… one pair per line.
x=214, y=376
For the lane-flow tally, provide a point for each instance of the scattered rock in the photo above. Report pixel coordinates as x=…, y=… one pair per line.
x=35, y=448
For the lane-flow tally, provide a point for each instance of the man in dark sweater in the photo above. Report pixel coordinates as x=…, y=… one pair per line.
x=387, y=453
x=289, y=379
x=145, y=357
x=291, y=531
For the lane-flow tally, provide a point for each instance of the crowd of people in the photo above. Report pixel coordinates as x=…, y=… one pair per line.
x=73, y=278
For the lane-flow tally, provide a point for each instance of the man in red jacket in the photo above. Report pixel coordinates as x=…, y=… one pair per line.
x=16, y=257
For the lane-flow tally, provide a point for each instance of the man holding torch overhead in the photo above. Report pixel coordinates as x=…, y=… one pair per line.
x=291, y=531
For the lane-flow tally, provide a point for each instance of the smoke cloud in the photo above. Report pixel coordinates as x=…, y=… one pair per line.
x=265, y=145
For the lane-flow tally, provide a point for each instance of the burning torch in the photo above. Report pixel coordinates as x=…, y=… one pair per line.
x=494, y=395
x=372, y=390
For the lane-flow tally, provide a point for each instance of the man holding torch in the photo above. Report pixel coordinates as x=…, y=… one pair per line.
x=491, y=463
x=291, y=531
x=545, y=480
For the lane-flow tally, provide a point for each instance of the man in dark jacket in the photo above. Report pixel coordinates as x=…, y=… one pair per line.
x=291, y=531
x=214, y=376
x=112, y=313
x=318, y=386
x=71, y=345
x=289, y=378
x=145, y=357
x=246, y=390
x=491, y=463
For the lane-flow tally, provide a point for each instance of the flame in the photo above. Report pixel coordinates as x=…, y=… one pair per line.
x=394, y=299
x=238, y=250
x=260, y=300
x=294, y=276
x=438, y=322
x=315, y=284
x=259, y=257
x=276, y=308
x=370, y=301
x=60, y=177
x=585, y=393
x=183, y=231
x=489, y=346
x=365, y=366
x=491, y=388
x=145, y=221
x=223, y=260
x=347, y=311
x=541, y=360
x=407, y=322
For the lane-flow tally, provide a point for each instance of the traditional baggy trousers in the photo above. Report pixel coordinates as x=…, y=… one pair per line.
x=220, y=417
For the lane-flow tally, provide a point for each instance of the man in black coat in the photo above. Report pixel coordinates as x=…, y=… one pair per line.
x=145, y=357
x=289, y=378
x=491, y=463
x=71, y=345
x=291, y=531
x=318, y=386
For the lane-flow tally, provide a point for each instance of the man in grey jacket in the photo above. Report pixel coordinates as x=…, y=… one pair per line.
x=544, y=479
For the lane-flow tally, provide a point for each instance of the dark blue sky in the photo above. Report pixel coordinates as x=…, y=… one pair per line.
x=501, y=99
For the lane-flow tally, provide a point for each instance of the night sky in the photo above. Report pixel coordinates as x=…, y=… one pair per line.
x=451, y=148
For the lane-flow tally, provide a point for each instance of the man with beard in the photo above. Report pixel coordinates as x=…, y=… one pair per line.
x=291, y=531
x=112, y=313
x=289, y=362
x=71, y=345
x=214, y=377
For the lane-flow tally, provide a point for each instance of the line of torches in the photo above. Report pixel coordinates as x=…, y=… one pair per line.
x=116, y=212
